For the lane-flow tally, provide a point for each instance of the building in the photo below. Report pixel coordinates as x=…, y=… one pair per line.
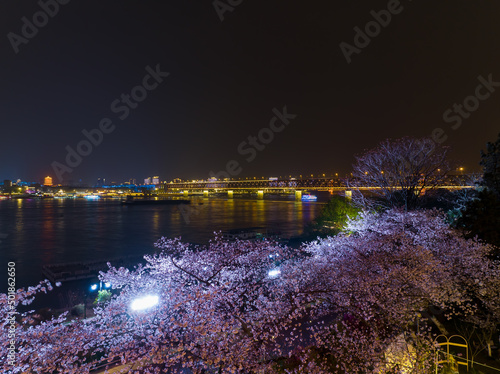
x=156, y=180
x=147, y=180
x=47, y=181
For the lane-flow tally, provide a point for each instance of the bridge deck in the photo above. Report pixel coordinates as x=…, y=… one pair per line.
x=273, y=185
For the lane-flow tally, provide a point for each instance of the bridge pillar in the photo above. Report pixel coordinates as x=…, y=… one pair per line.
x=260, y=194
x=229, y=194
x=298, y=195
x=205, y=193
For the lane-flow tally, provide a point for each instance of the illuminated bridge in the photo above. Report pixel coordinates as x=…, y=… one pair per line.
x=259, y=187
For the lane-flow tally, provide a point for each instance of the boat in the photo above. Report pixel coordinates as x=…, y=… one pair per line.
x=252, y=233
x=92, y=197
x=73, y=271
x=308, y=197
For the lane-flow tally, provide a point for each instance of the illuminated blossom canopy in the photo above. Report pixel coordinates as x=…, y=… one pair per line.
x=339, y=304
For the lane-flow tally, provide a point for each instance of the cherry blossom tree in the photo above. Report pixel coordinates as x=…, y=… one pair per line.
x=389, y=268
x=51, y=346
x=353, y=303
x=219, y=305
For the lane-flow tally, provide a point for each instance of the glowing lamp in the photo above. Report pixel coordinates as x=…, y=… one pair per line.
x=145, y=302
x=274, y=273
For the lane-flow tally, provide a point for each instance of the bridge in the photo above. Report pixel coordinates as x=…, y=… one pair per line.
x=269, y=186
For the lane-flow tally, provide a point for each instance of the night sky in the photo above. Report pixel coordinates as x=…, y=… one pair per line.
x=227, y=76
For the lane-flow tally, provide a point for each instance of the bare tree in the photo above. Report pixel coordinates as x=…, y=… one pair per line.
x=398, y=172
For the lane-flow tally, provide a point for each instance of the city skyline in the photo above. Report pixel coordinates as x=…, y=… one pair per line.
x=156, y=180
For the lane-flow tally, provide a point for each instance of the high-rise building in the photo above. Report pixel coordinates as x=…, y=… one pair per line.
x=47, y=181
x=156, y=180
x=147, y=180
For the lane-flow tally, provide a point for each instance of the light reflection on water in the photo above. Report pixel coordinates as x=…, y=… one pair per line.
x=51, y=231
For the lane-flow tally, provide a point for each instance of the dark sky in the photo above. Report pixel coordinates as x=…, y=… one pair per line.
x=227, y=76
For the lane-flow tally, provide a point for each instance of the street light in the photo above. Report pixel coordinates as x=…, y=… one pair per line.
x=94, y=286
x=145, y=302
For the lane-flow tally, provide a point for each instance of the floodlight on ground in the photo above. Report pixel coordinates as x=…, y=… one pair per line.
x=93, y=287
x=144, y=302
x=274, y=273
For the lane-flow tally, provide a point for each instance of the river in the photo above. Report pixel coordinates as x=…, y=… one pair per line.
x=35, y=232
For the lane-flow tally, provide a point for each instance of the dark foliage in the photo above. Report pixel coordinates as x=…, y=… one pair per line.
x=481, y=216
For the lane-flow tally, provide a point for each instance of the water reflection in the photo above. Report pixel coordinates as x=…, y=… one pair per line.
x=68, y=230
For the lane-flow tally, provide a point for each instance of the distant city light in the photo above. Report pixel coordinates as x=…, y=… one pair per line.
x=145, y=302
